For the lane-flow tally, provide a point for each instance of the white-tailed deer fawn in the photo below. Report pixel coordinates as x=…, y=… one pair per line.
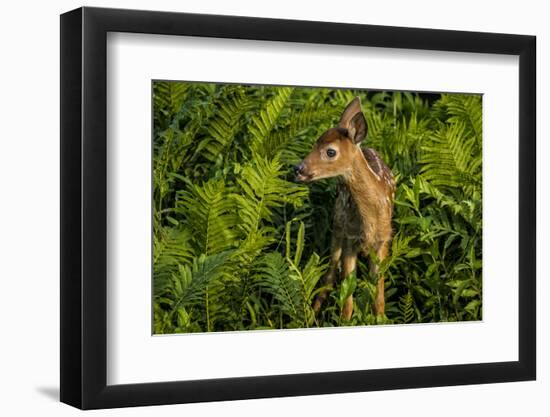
x=364, y=205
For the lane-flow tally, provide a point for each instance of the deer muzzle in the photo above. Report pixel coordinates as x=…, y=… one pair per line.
x=300, y=171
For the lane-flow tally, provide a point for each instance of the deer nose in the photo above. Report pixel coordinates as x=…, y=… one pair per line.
x=298, y=168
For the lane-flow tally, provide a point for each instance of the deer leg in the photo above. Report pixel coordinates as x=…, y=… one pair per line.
x=330, y=276
x=379, y=303
x=349, y=262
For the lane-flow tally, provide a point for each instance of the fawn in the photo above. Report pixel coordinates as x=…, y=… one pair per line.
x=364, y=204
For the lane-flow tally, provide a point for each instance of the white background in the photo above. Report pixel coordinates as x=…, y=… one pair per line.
x=29, y=212
x=133, y=60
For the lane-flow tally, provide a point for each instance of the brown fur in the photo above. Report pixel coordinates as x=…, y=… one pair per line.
x=364, y=205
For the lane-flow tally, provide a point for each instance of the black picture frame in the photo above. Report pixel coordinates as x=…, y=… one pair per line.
x=84, y=207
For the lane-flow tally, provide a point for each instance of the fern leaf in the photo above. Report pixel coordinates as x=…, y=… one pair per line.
x=263, y=190
x=209, y=212
x=466, y=109
x=295, y=139
x=168, y=97
x=221, y=129
x=265, y=121
x=275, y=279
x=448, y=159
x=190, y=283
x=406, y=307
x=170, y=249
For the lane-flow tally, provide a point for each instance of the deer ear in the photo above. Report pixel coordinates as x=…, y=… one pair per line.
x=354, y=121
x=359, y=130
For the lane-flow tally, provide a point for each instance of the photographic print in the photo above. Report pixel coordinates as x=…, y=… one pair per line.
x=286, y=207
x=282, y=205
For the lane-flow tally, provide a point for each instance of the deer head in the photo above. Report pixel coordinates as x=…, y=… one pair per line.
x=336, y=149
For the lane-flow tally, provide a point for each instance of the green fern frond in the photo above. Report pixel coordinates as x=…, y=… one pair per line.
x=468, y=208
x=167, y=99
x=406, y=308
x=209, y=212
x=265, y=121
x=463, y=108
x=292, y=287
x=309, y=276
x=263, y=190
x=170, y=250
x=174, y=138
x=221, y=129
x=275, y=279
x=288, y=142
x=448, y=159
x=190, y=284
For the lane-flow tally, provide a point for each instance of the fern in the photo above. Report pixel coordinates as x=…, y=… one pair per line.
x=209, y=212
x=263, y=190
x=406, y=308
x=287, y=142
x=292, y=287
x=225, y=123
x=167, y=100
x=190, y=284
x=459, y=108
x=170, y=250
x=172, y=147
x=447, y=159
x=274, y=275
x=308, y=277
x=265, y=121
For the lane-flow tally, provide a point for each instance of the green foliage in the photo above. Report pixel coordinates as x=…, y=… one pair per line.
x=209, y=215
x=406, y=308
x=239, y=245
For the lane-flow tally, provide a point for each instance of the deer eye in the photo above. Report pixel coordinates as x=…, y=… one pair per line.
x=331, y=153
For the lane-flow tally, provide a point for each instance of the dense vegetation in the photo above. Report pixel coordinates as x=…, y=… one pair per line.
x=239, y=245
